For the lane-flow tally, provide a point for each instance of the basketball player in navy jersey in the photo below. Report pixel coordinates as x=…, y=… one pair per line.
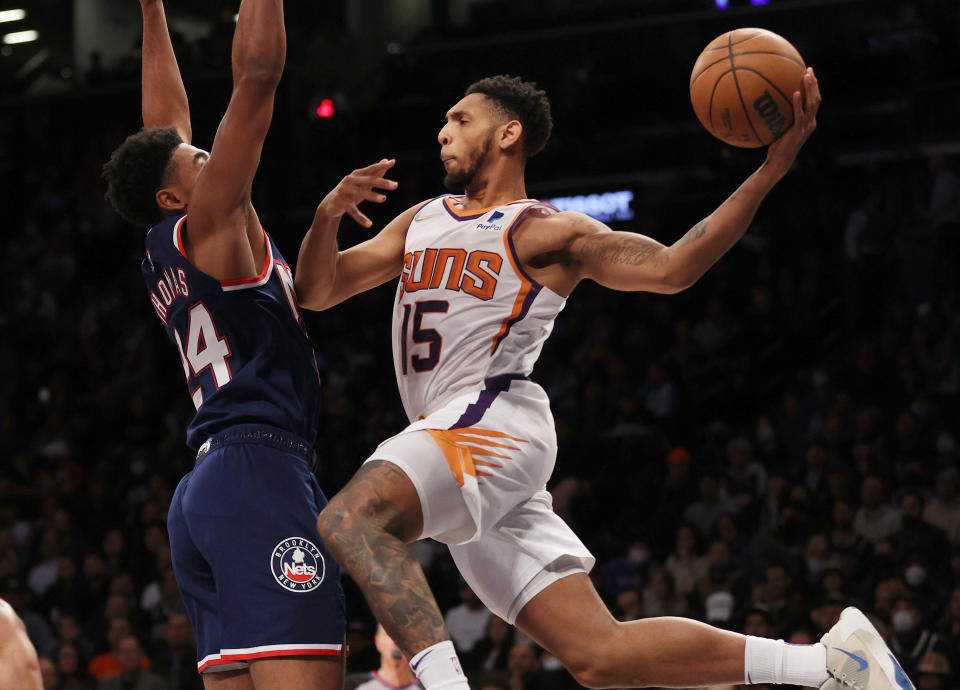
x=483, y=274
x=260, y=589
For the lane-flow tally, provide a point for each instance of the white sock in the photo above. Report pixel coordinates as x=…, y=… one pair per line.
x=775, y=661
x=438, y=667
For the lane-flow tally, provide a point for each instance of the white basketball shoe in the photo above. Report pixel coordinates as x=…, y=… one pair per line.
x=858, y=658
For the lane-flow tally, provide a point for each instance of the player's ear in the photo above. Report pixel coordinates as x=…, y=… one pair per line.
x=169, y=200
x=510, y=134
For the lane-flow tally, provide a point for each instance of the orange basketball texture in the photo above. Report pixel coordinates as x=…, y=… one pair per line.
x=742, y=86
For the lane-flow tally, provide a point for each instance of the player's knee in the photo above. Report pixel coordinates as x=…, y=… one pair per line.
x=589, y=674
x=597, y=666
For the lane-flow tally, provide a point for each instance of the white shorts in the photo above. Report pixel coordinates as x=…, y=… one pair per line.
x=483, y=492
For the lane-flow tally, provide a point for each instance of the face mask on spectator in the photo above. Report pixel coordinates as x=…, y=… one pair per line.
x=637, y=556
x=915, y=575
x=902, y=621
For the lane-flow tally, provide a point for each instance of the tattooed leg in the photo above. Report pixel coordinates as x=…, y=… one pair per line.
x=366, y=527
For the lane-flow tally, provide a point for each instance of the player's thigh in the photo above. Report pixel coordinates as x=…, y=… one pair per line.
x=527, y=550
x=382, y=492
x=317, y=673
x=228, y=680
x=566, y=615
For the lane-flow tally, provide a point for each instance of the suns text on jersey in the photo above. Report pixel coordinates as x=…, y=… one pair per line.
x=170, y=286
x=474, y=273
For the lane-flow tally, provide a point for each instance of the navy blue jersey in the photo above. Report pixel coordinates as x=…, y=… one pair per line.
x=242, y=343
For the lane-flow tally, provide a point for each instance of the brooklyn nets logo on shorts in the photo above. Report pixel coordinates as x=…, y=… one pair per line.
x=297, y=564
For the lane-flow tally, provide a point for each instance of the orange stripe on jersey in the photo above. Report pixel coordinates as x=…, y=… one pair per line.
x=459, y=447
x=475, y=211
x=525, y=287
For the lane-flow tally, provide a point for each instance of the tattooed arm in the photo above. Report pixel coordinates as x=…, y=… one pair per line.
x=629, y=261
x=573, y=246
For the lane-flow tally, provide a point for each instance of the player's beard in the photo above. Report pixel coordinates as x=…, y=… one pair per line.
x=460, y=180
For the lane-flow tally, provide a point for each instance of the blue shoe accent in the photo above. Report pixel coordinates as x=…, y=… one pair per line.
x=900, y=676
x=859, y=659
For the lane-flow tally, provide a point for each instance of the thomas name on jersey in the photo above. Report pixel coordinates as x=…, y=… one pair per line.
x=474, y=273
x=170, y=286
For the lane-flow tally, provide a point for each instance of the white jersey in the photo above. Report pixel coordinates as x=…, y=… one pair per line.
x=466, y=314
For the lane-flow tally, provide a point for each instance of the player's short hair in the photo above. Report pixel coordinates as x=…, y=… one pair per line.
x=523, y=101
x=136, y=170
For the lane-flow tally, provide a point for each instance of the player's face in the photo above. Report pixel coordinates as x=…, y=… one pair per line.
x=185, y=165
x=465, y=141
x=189, y=161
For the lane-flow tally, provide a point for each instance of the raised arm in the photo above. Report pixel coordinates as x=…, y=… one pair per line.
x=164, y=100
x=629, y=261
x=219, y=204
x=326, y=276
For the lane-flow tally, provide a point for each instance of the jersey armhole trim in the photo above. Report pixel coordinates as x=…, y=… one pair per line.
x=257, y=280
x=177, y=241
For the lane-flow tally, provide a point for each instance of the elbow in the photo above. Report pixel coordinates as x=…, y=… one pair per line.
x=307, y=297
x=672, y=282
x=261, y=71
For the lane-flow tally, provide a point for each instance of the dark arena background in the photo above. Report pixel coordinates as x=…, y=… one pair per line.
x=759, y=451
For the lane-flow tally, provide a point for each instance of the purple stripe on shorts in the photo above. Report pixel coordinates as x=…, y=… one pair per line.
x=492, y=387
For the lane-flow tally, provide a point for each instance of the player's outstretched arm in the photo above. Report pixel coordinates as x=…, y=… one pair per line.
x=220, y=201
x=164, y=100
x=326, y=276
x=628, y=261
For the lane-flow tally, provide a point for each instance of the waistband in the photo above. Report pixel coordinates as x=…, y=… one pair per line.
x=261, y=435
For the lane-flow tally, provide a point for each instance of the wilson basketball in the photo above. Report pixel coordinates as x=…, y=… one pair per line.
x=742, y=86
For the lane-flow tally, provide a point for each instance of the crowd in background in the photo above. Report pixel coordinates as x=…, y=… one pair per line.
x=758, y=452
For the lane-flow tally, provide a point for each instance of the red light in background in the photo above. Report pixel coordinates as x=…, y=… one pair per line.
x=325, y=109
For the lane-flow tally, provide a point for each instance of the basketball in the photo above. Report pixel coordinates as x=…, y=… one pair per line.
x=742, y=86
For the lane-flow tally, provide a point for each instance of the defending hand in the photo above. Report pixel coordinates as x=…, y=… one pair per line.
x=357, y=187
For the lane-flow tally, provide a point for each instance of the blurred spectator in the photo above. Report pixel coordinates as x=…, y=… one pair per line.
x=875, y=520
x=712, y=504
x=491, y=653
x=132, y=675
x=909, y=638
x=49, y=674
x=72, y=676
x=660, y=598
x=757, y=622
x=943, y=510
x=393, y=672
x=43, y=575
x=175, y=659
x=745, y=481
x=932, y=672
x=109, y=663
x=467, y=622
x=69, y=632
x=628, y=605
x=685, y=564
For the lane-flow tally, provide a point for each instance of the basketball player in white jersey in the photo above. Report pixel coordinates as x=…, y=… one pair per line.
x=483, y=274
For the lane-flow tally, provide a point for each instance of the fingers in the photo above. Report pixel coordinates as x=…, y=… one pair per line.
x=358, y=216
x=377, y=168
x=797, y=107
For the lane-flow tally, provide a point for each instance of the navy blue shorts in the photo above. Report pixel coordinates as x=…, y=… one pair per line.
x=255, y=578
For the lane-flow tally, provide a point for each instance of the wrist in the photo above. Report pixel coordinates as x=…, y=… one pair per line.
x=771, y=172
x=326, y=211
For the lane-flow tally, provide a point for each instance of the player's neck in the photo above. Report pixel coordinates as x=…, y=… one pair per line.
x=495, y=188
